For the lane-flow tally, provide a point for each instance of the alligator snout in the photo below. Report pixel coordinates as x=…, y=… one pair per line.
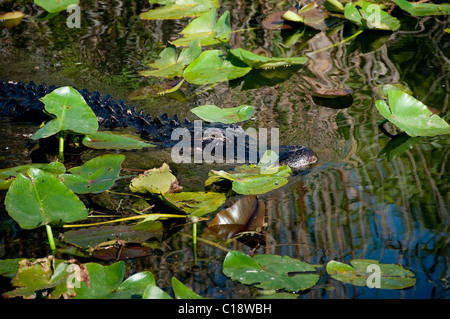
x=298, y=157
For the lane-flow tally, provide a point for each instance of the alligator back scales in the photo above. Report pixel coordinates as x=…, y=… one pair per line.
x=21, y=102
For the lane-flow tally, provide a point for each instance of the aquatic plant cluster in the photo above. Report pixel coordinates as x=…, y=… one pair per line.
x=49, y=195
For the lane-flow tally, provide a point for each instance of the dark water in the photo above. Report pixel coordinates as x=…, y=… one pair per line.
x=354, y=204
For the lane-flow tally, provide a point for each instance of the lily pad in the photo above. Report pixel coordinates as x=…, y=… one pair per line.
x=411, y=115
x=48, y=200
x=179, y=289
x=391, y=276
x=154, y=292
x=274, y=21
x=177, y=9
x=182, y=292
x=334, y=6
x=171, y=65
x=423, y=9
x=103, y=281
x=261, y=62
x=309, y=15
x=7, y=175
x=134, y=286
x=258, y=78
x=269, y=271
x=196, y=203
x=253, y=179
x=398, y=145
x=95, y=176
x=53, y=6
x=11, y=19
x=212, y=113
x=313, y=17
x=155, y=180
x=211, y=67
x=110, y=140
x=206, y=30
x=385, y=88
x=9, y=267
x=46, y=274
x=169, y=89
x=370, y=16
x=71, y=111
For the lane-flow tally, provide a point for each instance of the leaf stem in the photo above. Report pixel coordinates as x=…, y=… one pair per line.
x=209, y=242
x=158, y=216
x=194, y=233
x=336, y=44
x=61, y=147
x=51, y=240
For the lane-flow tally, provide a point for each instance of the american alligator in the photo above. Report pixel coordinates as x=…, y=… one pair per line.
x=21, y=102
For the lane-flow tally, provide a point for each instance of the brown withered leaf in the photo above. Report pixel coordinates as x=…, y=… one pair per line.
x=246, y=215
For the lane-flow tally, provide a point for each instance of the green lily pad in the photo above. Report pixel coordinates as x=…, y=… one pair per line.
x=269, y=271
x=254, y=179
x=261, y=62
x=154, y=292
x=211, y=67
x=423, y=9
x=177, y=9
x=334, y=6
x=169, y=89
x=292, y=16
x=11, y=19
x=391, y=276
x=309, y=15
x=196, y=203
x=95, y=176
x=134, y=286
x=182, y=292
x=71, y=111
x=212, y=113
x=9, y=267
x=53, y=6
x=7, y=175
x=206, y=30
x=103, y=281
x=155, y=180
x=171, y=65
x=41, y=198
x=385, y=88
x=179, y=289
x=44, y=274
x=312, y=16
x=110, y=140
x=370, y=16
x=398, y=145
x=411, y=115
